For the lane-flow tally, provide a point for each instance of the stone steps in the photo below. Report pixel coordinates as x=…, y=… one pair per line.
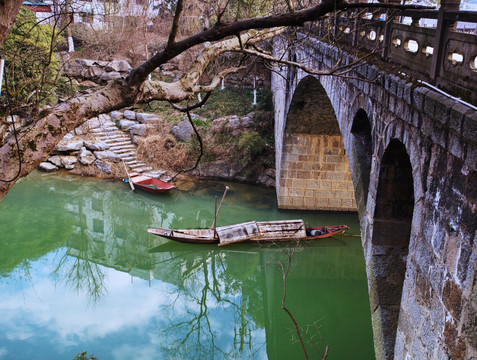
x=121, y=145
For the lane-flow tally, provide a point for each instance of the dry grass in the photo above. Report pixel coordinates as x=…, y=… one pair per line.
x=161, y=150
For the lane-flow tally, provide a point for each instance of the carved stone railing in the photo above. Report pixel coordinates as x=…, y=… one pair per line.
x=445, y=54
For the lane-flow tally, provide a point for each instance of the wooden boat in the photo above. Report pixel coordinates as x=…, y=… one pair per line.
x=253, y=231
x=149, y=184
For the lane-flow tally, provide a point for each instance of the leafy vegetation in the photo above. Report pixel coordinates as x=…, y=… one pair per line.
x=84, y=356
x=32, y=68
x=251, y=145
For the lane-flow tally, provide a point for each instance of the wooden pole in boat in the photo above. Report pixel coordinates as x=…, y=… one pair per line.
x=220, y=205
x=215, y=217
x=129, y=178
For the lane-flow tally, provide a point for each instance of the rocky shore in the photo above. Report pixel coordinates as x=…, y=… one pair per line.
x=150, y=144
x=103, y=146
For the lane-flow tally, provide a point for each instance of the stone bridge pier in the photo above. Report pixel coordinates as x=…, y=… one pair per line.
x=405, y=158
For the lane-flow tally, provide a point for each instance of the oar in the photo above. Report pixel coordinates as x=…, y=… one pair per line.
x=220, y=205
x=129, y=178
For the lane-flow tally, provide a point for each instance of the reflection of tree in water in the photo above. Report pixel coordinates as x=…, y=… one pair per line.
x=25, y=236
x=82, y=275
x=210, y=286
x=107, y=233
x=78, y=272
x=310, y=334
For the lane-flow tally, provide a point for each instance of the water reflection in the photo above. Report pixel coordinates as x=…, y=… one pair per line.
x=86, y=245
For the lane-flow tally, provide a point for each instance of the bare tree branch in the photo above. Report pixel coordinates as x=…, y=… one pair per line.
x=175, y=24
x=39, y=139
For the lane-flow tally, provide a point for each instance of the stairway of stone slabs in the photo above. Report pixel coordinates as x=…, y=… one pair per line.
x=120, y=143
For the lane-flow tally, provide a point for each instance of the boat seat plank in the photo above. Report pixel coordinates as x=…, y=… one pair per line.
x=139, y=178
x=282, y=230
x=193, y=233
x=237, y=233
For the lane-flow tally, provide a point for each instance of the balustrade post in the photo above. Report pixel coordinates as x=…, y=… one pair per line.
x=356, y=18
x=450, y=5
x=439, y=46
x=387, y=37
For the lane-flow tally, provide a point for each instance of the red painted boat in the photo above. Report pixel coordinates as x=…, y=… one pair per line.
x=253, y=231
x=150, y=184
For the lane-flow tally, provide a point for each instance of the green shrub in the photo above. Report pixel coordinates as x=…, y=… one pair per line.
x=84, y=356
x=31, y=67
x=251, y=145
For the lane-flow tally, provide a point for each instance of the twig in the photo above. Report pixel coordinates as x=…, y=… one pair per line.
x=284, y=277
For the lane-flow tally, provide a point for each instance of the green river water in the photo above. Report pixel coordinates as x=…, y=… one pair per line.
x=79, y=272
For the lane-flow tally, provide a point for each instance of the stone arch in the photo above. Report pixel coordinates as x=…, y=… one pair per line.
x=361, y=157
x=393, y=215
x=311, y=111
x=314, y=173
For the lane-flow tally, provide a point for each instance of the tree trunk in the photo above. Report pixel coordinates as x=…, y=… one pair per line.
x=38, y=141
x=8, y=12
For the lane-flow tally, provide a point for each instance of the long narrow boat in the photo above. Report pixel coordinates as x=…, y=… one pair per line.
x=150, y=184
x=253, y=231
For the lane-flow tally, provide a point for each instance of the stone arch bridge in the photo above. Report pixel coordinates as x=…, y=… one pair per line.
x=405, y=157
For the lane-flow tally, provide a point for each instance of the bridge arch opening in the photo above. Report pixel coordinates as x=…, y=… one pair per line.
x=390, y=242
x=311, y=111
x=315, y=172
x=362, y=152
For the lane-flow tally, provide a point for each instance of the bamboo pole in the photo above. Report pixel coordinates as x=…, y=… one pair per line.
x=215, y=217
x=129, y=178
x=220, y=205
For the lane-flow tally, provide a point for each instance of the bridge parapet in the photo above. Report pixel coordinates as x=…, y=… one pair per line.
x=412, y=152
x=429, y=43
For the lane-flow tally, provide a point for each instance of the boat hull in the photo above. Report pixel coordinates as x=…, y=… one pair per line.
x=151, y=185
x=209, y=236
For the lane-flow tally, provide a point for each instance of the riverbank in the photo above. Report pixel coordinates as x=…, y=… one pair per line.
x=236, y=141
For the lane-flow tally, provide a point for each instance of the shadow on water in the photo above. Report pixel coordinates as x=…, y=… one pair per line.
x=203, y=301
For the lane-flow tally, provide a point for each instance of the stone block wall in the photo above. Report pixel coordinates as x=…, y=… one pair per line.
x=438, y=305
x=315, y=174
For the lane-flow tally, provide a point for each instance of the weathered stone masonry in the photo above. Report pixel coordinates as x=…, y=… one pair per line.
x=315, y=174
x=413, y=159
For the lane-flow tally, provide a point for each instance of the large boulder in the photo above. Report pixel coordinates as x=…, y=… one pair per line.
x=107, y=155
x=93, y=72
x=183, y=131
x=93, y=123
x=116, y=115
x=104, y=119
x=56, y=160
x=193, y=117
x=85, y=62
x=110, y=76
x=233, y=123
x=221, y=170
x=104, y=166
x=145, y=117
x=126, y=124
x=47, y=166
x=138, y=129
x=86, y=157
x=66, y=145
x=68, y=161
x=84, y=128
x=96, y=145
x=74, y=69
x=130, y=115
x=118, y=66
